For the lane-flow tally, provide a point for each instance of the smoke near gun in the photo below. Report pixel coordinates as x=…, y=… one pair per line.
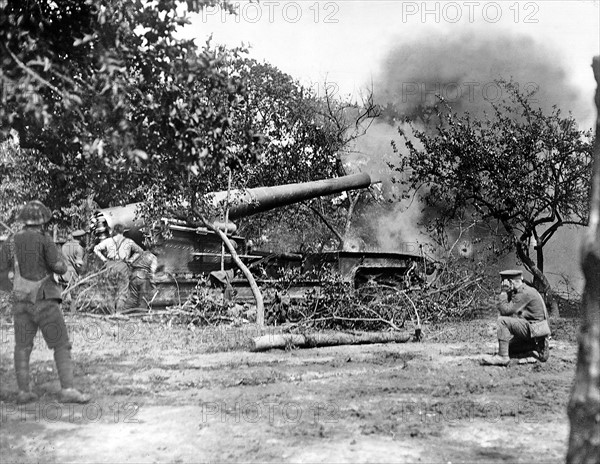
x=463, y=69
x=393, y=224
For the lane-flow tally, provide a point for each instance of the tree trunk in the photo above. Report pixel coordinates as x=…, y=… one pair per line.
x=540, y=281
x=539, y=257
x=584, y=405
x=258, y=298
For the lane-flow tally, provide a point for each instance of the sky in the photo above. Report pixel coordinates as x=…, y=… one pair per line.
x=406, y=51
x=348, y=43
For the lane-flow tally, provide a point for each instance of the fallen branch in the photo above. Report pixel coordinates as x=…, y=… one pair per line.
x=268, y=342
x=453, y=285
x=70, y=288
x=104, y=316
x=462, y=287
x=353, y=319
x=414, y=308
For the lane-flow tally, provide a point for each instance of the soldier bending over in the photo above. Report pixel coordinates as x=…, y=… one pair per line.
x=522, y=323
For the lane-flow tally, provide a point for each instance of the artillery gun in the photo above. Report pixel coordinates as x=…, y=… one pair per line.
x=191, y=252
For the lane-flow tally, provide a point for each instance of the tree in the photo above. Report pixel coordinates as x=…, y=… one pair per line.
x=303, y=138
x=584, y=404
x=524, y=168
x=97, y=88
x=19, y=185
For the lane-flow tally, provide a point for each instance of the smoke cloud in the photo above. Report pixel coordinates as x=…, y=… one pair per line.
x=462, y=68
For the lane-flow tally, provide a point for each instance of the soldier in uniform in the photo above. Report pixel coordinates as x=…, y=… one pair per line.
x=118, y=253
x=74, y=252
x=34, y=259
x=520, y=307
x=142, y=284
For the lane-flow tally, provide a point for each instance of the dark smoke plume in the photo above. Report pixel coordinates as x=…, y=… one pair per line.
x=462, y=68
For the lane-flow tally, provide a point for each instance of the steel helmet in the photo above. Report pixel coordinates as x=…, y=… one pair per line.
x=35, y=213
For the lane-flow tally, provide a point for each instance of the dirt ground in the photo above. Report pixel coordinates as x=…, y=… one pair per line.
x=172, y=394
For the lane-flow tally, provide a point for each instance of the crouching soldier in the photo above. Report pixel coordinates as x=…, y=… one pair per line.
x=34, y=259
x=523, y=321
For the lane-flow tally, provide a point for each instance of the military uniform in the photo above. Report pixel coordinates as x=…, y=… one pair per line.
x=518, y=309
x=34, y=259
x=74, y=253
x=118, y=252
x=141, y=283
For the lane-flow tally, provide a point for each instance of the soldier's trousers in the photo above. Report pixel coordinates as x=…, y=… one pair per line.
x=117, y=281
x=141, y=291
x=46, y=316
x=512, y=327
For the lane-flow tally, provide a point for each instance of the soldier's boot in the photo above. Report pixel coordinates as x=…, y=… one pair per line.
x=21, y=357
x=543, y=349
x=64, y=366
x=500, y=359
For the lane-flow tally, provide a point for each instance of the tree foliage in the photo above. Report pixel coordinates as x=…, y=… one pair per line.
x=115, y=108
x=520, y=166
x=99, y=88
x=304, y=137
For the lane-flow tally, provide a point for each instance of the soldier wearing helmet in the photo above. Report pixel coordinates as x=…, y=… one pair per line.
x=34, y=259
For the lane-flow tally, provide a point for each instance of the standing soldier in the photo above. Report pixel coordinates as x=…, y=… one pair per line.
x=118, y=253
x=74, y=253
x=34, y=259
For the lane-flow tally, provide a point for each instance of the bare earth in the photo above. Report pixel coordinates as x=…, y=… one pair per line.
x=165, y=394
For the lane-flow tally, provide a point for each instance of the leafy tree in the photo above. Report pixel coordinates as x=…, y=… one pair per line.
x=18, y=184
x=520, y=166
x=98, y=88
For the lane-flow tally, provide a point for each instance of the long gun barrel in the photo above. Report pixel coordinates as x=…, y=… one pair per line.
x=257, y=200
x=242, y=203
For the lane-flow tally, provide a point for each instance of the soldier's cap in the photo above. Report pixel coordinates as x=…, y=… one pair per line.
x=511, y=274
x=79, y=233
